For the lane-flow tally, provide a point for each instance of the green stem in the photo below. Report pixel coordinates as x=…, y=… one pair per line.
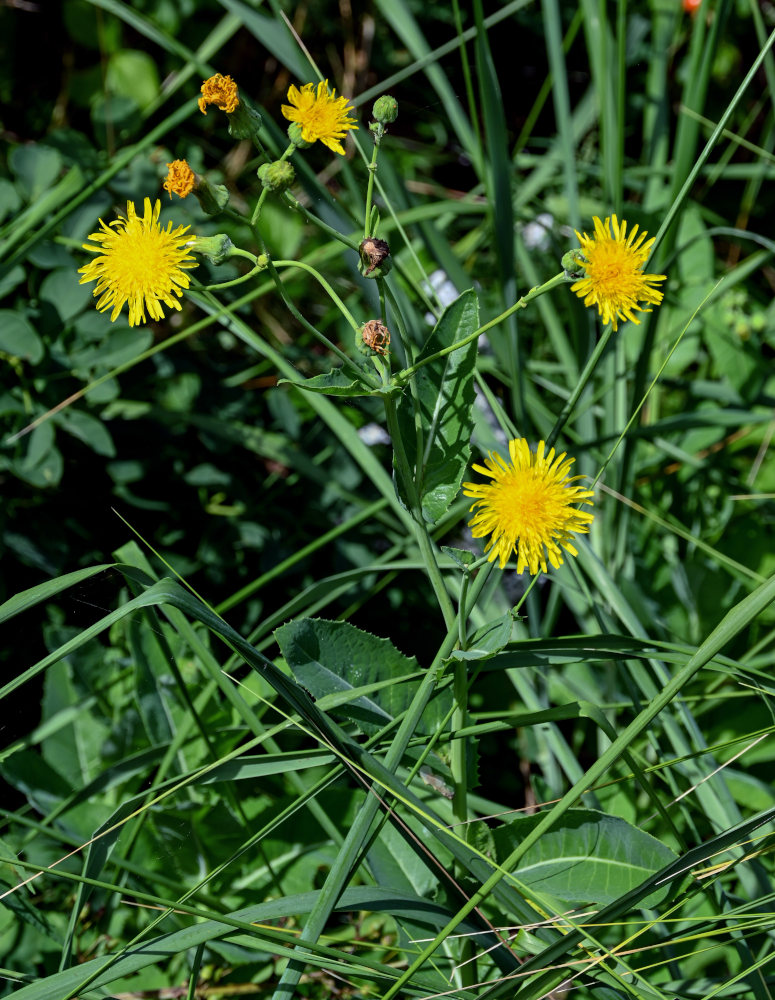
x=322, y=226
x=347, y=361
x=585, y=376
x=423, y=538
x=329, y=290
x=558, y=279
x=370, y=187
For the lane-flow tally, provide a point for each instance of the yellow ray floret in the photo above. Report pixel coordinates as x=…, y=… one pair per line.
x=139, y=263
x=322, y=115
x=528, y=509
x=613, y=279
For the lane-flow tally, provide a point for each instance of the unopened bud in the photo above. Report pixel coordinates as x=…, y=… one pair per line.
x=385, y=109
x=212, y=197
x=244, y=122
x=294, y=134
x=276, y=176
x=217, y=248
x=574, y=264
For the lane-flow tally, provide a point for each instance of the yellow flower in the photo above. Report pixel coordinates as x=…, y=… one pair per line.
x=322, y=116
x=139, y=263
x=180, y=178
x=527, y=508
x=221, y=91
x=614, y=281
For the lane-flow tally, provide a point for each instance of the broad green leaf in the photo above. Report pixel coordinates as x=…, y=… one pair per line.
x=36, y=168
x=10, y=279
x=18, y=338
x=332, y=656
x=587, y=857
x=444, y=395
x=133, y=74
x=334, y=383
x=63, y=290
x=88, y=429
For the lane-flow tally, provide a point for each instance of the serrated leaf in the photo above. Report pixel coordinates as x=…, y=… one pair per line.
x=588, y=857
x=331, y=656
x=444, y=395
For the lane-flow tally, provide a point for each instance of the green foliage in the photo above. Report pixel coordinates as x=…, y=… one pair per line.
x=265, y=732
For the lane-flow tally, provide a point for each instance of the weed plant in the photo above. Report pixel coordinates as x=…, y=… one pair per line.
x=389, y=553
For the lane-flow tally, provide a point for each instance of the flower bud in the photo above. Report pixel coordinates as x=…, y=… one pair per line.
x=244, y=122
x=385, y=109
x=294, y=134
x=375, y=258
x=217, y=248
x=213, y=198
x=276, y=176
x=574, y=264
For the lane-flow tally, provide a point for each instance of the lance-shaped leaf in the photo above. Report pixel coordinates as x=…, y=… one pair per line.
x=443, y=396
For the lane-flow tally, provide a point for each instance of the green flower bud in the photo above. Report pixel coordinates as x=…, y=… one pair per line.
x=217, y=248
x=574, y=264
x=276, y=176
x=212, y=197
x=244, y=122
x=294, y=134
x=385, y=109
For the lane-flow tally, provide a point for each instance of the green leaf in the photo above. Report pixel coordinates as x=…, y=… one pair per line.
x=36, y=168
x=444, y=394
x=463, y=557
x=18, y=338
x=62, y=289
x=332, y=656
x=10, y=279
x=88, y=429
x=334, y=383
x=132, y=73
x=588, y=857
x=488, y=640
x=44, y=592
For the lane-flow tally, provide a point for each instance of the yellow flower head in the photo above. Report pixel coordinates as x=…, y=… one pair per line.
x=614, y=281
x=322, y=115
x=139, y=263
x=221, y=91
x=180, y=178
x=527, y=508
